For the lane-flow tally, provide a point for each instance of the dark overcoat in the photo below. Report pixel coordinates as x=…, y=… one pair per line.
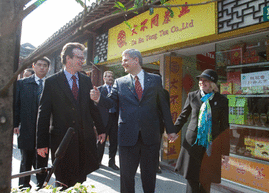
x=57, y=100
x=193, y=163
x=25, y=112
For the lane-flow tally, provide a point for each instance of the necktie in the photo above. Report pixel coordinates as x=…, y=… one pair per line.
x=138, y=88
x=75, y=88
x=109, y=89
x=39, y=89
x=112, y=110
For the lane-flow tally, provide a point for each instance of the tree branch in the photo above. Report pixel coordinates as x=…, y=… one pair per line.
x=31, y=58
x=184, y=5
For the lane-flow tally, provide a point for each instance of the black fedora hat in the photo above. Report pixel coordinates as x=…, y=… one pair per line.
x=209, y=74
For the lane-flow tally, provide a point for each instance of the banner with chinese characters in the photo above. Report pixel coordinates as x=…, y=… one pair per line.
x=253, y=174
x=173, y=83
x=160, y=29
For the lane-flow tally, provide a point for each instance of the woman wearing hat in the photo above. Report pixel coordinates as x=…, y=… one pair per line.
x=205, y=141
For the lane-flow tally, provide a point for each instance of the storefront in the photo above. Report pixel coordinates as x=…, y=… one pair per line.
x=195, y=39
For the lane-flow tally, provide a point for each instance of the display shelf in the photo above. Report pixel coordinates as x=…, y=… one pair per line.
x=249, y=159
x=260, y=64
x=252, y=95
x=248, y=126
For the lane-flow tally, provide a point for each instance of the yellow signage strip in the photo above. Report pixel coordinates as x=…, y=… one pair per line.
x=159, y=29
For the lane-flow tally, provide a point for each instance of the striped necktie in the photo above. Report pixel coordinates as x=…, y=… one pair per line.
x=138, y=88
x=75, y=87
x=39, y=89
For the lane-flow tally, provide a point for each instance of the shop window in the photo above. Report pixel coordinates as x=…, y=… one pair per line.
x=245, y=61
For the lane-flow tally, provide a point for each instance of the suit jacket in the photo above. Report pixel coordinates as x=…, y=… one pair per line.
x=104, y=111
x=57, y=100
x=135, y=115
x=26, y=106
x=192, y=159
x=167, y=97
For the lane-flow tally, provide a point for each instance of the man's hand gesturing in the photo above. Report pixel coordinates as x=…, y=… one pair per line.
x=95, y=94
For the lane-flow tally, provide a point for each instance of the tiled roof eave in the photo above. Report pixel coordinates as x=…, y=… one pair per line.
x=95, y=11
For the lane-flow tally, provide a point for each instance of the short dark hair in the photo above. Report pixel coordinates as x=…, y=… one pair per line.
x=68, y=50
x=134, y=53
x=45, y=59
x=107, y=72
x=29, y=70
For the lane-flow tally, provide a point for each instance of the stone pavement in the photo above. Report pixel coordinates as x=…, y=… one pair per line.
x=107, y=180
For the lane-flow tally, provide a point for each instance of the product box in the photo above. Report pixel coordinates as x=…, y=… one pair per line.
x=226, y=88
x=246, y=55
x=249, y=60
x=241, y=111
x=244, y=60
x=262, y=148
x=235, y=78
x=253, y=53
x=255, y=59
x=251, y=150
x=237, y=88
x=249, y=141
x=237, y=53
x=232, y=108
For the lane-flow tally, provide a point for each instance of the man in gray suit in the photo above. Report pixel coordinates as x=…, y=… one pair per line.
x=138, y=95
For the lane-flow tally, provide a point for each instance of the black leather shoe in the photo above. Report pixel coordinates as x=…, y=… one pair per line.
x=25, y=186
x=113, y=166
x=159, y=171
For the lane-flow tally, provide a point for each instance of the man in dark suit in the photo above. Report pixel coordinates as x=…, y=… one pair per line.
x=28, y=91
x=66, y=97
x=167, y=98
x=110, y=121
x=137, y=95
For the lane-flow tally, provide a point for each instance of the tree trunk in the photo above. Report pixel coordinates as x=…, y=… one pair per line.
x=10, y=29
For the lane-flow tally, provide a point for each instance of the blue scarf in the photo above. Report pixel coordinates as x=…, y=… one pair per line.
x=204, y=134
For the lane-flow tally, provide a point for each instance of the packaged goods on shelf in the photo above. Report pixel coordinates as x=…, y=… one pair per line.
x=241, y=110
x=250, y=150
x=262, y=148
x=232, y=108
x=235, y=78
x=226, y=88
x=237, y=53
x=238, y=109
x=249, y=141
